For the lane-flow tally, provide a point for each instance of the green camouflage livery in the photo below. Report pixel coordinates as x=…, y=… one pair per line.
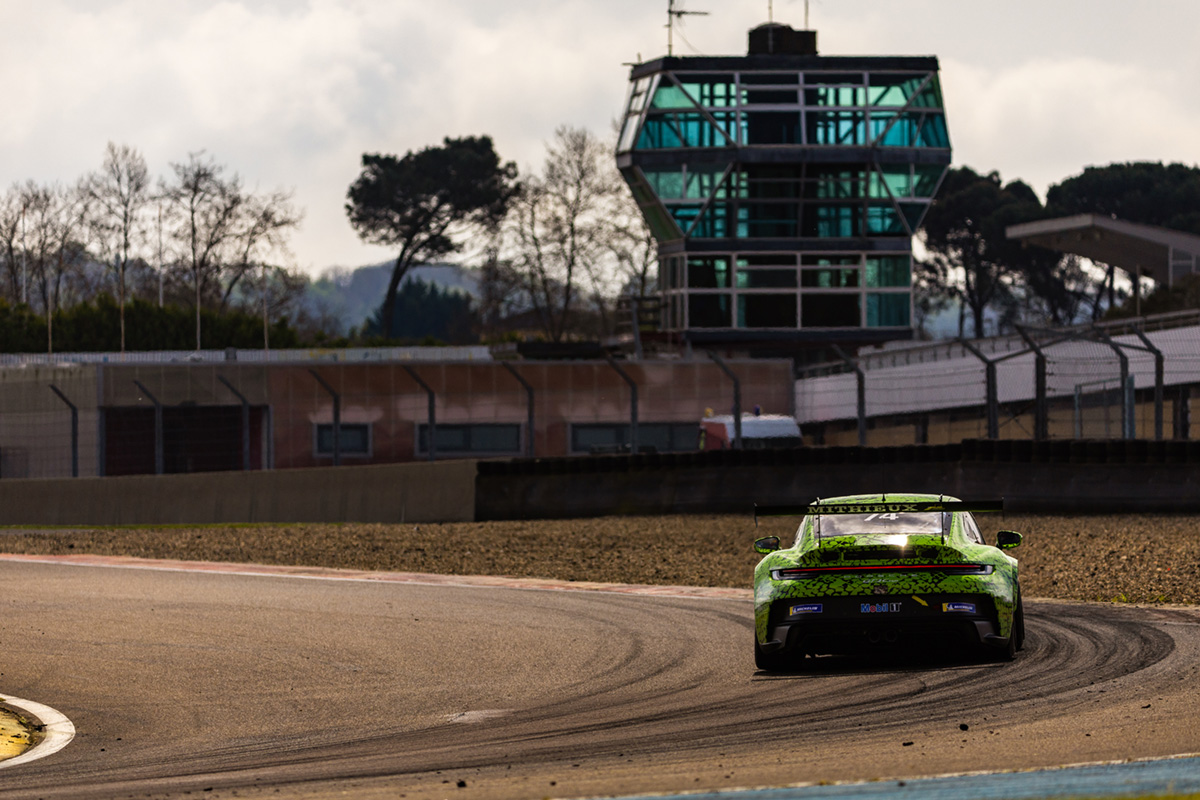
x=875, y=582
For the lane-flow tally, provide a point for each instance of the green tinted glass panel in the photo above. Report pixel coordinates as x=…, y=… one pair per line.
x=836, y=127
x=888, y=271
x=830, y=261
x=893, y=130
x=767, y=220
x=713, y=222
x=830, y=278
x=682, y=129
x=898, y=179
x=884, y=221
x=933, y=132
x=667, y=185
x=703, y=182
x=684, y=215
x=710, y=91
x=773, y=260
x=833, y=222
x=708, y=273
x=930, y=96
x=709, y=311
x=835, y=96
x=888, y=310
x=766, y=279
x=767, y=311
x=671, y=96
x=845, y=185
x=893, y=90
x=927, y=178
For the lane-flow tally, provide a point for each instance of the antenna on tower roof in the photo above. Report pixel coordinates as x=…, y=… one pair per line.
x=674, y=14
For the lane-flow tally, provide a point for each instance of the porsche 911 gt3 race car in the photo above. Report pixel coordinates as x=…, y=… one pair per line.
x=868, y=571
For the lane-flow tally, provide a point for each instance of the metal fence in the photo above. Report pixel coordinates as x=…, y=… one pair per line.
x=1126, y=380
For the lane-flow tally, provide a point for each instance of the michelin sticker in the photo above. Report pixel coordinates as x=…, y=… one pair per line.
x=968, y=608
x=807, y=608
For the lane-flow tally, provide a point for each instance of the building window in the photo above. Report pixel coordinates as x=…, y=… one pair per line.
x=354, y=439
x=481, y=438
x=819, y=310
x=613, y=437
x=767, y=311
x=888, y=310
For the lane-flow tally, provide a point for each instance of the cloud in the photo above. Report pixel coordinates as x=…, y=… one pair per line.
x=290, y=93
x=1044, y=120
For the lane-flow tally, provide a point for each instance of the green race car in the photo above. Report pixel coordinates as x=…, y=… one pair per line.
x=870, y=571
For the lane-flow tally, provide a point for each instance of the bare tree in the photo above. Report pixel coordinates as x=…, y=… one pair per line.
x=119, y=193
x=12, y=218
x=54, y=245
x=203, y=211
x=558, y=229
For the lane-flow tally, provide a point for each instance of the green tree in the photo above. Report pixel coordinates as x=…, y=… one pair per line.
x=423, y=311
x=422, y=202
x=1151, y=193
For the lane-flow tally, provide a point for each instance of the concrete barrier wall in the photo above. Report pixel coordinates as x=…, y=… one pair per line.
x=438, y=492
x=1063, y=476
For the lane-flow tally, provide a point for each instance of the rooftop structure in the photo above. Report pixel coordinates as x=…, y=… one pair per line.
x=784, y=187
x=1159, y=253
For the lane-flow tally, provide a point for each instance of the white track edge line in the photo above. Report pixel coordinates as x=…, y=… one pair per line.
x=57, y=731
x=458, y=582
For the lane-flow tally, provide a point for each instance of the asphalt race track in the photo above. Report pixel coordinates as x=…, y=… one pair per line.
x=251, y=686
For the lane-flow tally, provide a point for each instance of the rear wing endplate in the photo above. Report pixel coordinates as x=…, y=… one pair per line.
x=881, y=507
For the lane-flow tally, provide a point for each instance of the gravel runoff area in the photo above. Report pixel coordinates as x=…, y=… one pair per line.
x=1143, y=558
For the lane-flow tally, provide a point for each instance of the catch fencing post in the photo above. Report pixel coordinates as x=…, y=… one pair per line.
x=991, y=392
x=1041, y=406
x=337, y=417
x=158, y=428
x=1159, y=369
x=633, y=403
x=432, y=412
x=1128, y=428
x=245, y=422
x=861, y=391
x=528, y=405
x=74, y=430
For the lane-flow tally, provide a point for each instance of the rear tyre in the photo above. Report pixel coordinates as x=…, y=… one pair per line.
x=769, y=662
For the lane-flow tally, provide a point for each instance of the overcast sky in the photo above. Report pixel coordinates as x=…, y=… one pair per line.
x=290, y=93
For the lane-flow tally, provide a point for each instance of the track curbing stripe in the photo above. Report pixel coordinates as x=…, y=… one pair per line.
x=57, y=730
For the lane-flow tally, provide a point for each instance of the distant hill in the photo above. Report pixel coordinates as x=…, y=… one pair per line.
x=347, y=297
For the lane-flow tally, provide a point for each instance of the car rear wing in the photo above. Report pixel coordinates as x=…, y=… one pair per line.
x=883, y=506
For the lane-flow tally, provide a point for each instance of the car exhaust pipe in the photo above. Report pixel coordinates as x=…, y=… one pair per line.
x=874, y=637
x=892, y=636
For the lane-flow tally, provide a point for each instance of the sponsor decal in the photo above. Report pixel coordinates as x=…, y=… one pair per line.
x=919, y=600
x=880, y=589
x=968, y=608
x=879, y=608
x=807, y=608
